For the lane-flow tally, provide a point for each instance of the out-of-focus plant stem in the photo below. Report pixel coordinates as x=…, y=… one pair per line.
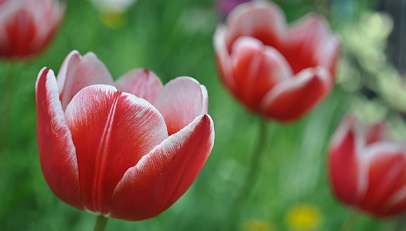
x=101, y=223
x=250, y=180
x=5, y=102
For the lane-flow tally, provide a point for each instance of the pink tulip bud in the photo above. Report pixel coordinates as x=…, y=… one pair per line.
x=367, y=169
x=27, y=26
x=277, y=71
x=127, y=149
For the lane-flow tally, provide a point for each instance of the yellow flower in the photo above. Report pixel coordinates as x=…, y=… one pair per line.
x=113, y=12
x=113, y=5
x=303, y=217
x=257, y=225
x=113, y=19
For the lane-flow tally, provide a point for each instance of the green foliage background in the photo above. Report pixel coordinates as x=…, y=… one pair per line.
x=173, y=38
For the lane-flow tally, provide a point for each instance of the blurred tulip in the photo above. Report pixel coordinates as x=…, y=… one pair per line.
x=277, y=71
x=27, y=26
x=367, y=169
x=126, y=149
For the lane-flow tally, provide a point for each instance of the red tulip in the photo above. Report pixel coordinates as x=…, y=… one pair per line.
x=277, y=71
x=126, y=149
x=27, y=26
x=367, y=169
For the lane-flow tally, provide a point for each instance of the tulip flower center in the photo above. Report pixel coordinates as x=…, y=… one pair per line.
x=298, y=53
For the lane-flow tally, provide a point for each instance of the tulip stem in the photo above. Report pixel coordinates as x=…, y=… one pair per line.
x=251, y=177
x=101, y=223
x=5, y=102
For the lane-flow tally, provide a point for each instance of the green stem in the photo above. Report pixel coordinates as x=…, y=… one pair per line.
x=250, y=180
x=5, y=102
x=101, y=223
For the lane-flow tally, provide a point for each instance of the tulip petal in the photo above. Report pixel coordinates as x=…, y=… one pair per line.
x=55, y=144
x=222, y=58
x=28, y=26
x=377, y=133
x=141, y=83
x=47, y=15
x=180, y=102
x=165, y=174
x=343, y=162
x=311, y=44
x=386, y=175
x=396, y=204
x=293, y=98
x=261, y=20
x=256, y=69
x=9, y=7
x=329, y=55
x=78, y=72
x=112, y=131
x=64, y=67
x=20, y=31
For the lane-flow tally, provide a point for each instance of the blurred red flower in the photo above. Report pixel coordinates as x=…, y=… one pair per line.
x=27, y=26
x=367, y=169
x=277, y=71
x=126, y=149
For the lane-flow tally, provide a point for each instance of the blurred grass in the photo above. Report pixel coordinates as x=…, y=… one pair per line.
x=172, y=40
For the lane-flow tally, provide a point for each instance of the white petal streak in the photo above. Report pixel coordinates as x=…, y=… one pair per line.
x=343, y=129
x=298, y=81
x=247, y=17
x=327, y=52
x=224, y=61
x=205, y=100
x=58, y=117
x=172, y=142
x=79, y=102
x=47, y=14
x=10, y=7
x=368, y=154
x=62, y=71
x=397, y=197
